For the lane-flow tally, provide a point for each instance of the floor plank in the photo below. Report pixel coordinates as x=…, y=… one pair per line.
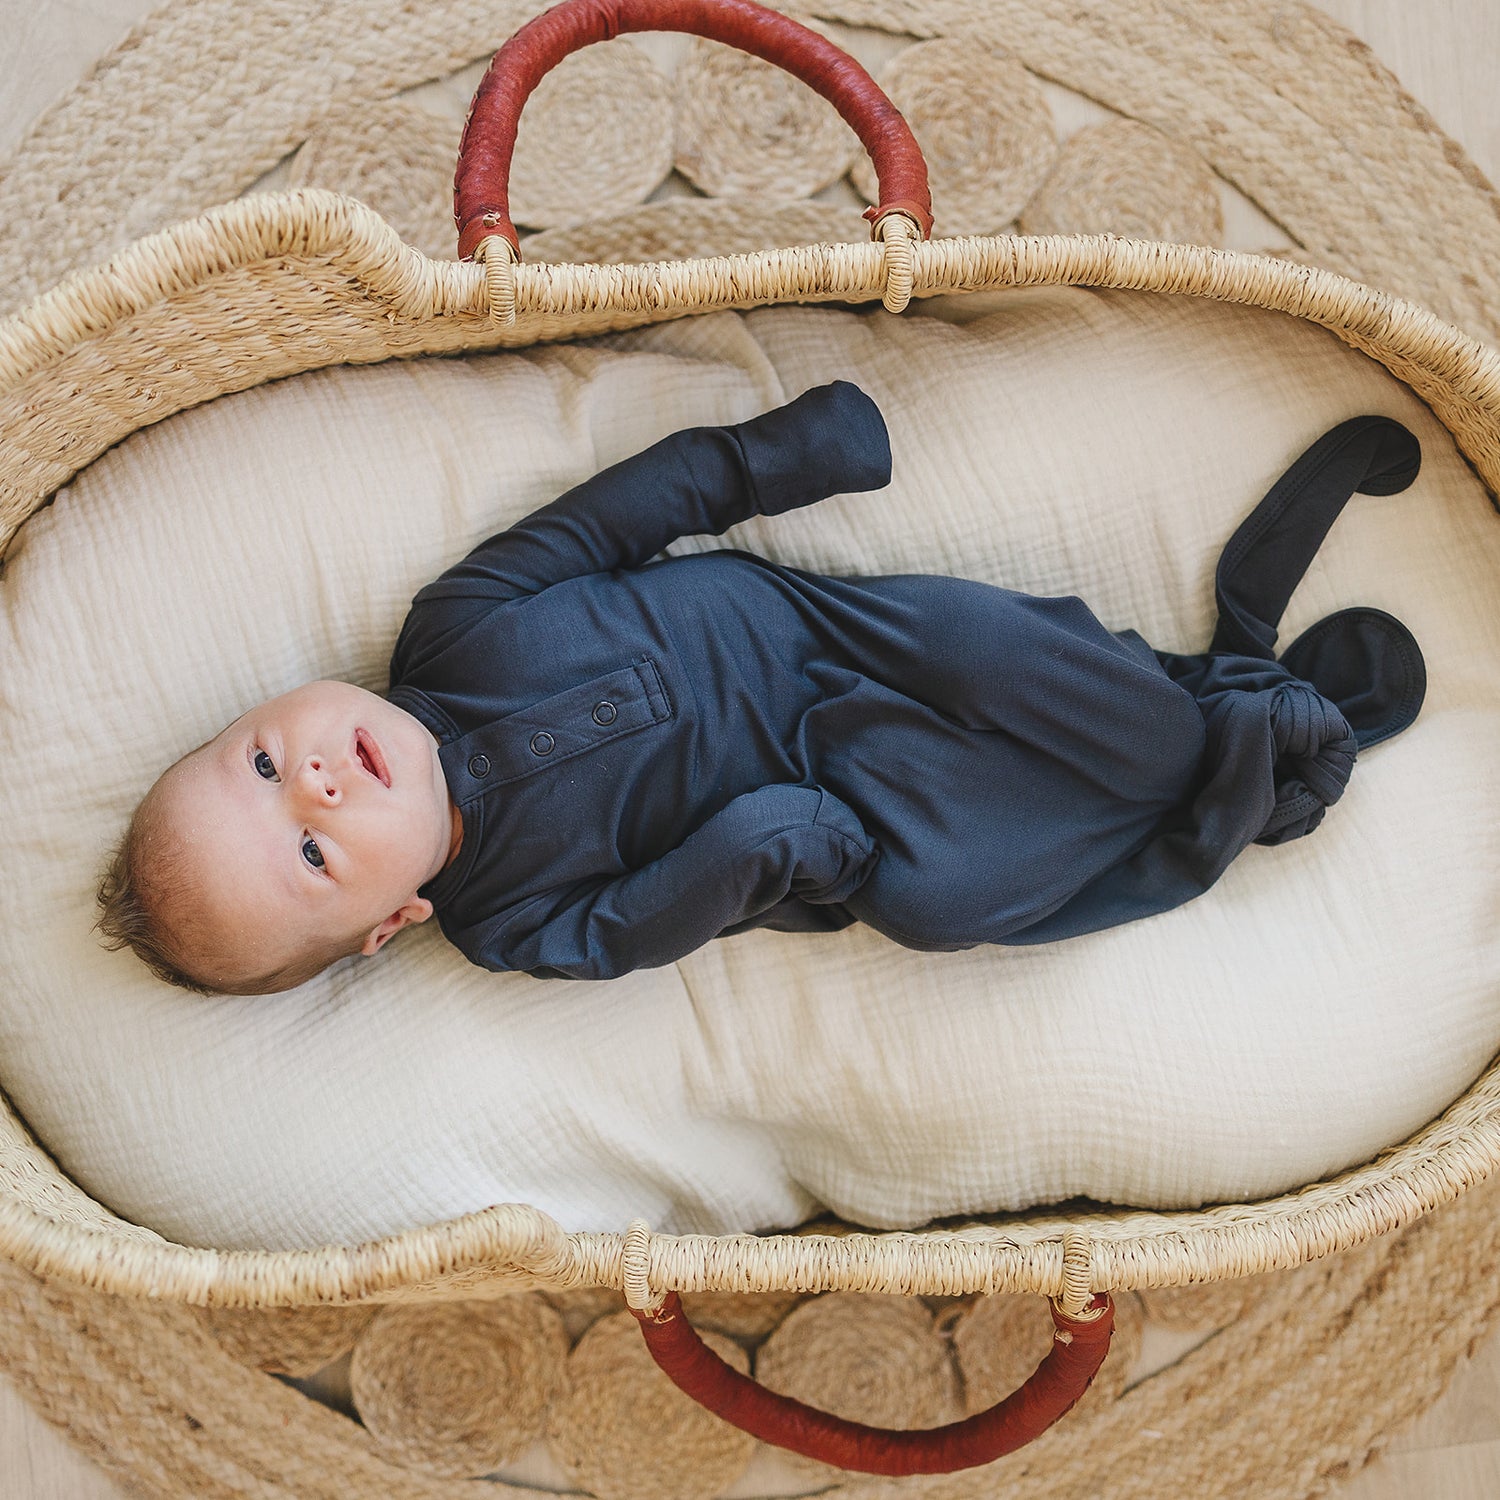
x=1470, y=1471
x=38, y=1463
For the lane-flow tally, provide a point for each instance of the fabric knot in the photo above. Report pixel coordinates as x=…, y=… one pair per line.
x=1315, y=750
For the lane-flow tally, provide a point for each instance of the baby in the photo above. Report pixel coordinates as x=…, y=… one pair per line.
x=590, y=762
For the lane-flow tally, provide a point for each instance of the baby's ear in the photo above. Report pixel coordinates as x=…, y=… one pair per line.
x=418, y=909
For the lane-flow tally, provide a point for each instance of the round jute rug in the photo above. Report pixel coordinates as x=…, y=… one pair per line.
x=1310, y=1371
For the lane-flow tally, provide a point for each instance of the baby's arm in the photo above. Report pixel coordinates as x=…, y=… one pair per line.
x=830, y=440
x=758, y=849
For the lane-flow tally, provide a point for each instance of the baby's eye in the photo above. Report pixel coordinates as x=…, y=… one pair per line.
x=312, y=854
x=265, y=766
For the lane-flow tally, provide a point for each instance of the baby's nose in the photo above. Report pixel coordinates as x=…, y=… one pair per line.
x=319, y=782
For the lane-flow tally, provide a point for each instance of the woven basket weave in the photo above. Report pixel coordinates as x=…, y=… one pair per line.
x=280, y=284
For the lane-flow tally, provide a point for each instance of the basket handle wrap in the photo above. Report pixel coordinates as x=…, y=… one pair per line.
x=481, y=184
x=1078, y=1349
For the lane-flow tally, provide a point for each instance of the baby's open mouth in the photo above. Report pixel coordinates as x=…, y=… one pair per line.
x=370, y=757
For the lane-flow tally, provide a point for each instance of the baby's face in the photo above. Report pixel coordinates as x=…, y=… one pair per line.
x=316, y=814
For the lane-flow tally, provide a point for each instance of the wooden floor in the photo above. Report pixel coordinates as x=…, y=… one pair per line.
x=1446, y=52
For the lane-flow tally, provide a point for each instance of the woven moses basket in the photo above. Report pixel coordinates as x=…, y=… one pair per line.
x=312, y=279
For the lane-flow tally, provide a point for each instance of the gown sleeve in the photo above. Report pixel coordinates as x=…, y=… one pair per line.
x=831, y=440
x=759, y=849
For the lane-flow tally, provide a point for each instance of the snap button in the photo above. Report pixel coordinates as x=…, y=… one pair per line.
x=604, y=713
x=541, y=742
x=479, y=765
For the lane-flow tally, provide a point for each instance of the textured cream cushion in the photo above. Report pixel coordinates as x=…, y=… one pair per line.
x=1327, y=998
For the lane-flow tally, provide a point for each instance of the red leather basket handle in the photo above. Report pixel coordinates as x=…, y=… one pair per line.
x=481, y=185
x=1078, y=1349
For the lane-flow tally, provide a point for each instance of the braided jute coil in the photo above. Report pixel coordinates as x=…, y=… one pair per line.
x=741, y=1315
x=623, y=1431
x=1211, y=1304
x=585, y=1306
x=286, y=1340
x=1130, y=179
x=746, y=127
x=595, y=137
x=394, y=155
x=984, y=127
x=459, y=1388
x=872, y=1359
x=999, y=1341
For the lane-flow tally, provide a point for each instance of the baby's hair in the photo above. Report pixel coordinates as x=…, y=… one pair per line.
x=133, y=894
x=144, y=883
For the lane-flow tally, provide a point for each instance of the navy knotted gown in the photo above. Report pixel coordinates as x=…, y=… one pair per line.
x=650, y=754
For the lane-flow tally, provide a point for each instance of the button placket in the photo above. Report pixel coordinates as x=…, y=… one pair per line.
x=535, y=739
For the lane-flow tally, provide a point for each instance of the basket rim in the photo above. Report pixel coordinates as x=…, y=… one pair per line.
x=305, y=230
x=314, y=224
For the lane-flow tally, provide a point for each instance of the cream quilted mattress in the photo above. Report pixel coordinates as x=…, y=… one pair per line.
x=1326, y=999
